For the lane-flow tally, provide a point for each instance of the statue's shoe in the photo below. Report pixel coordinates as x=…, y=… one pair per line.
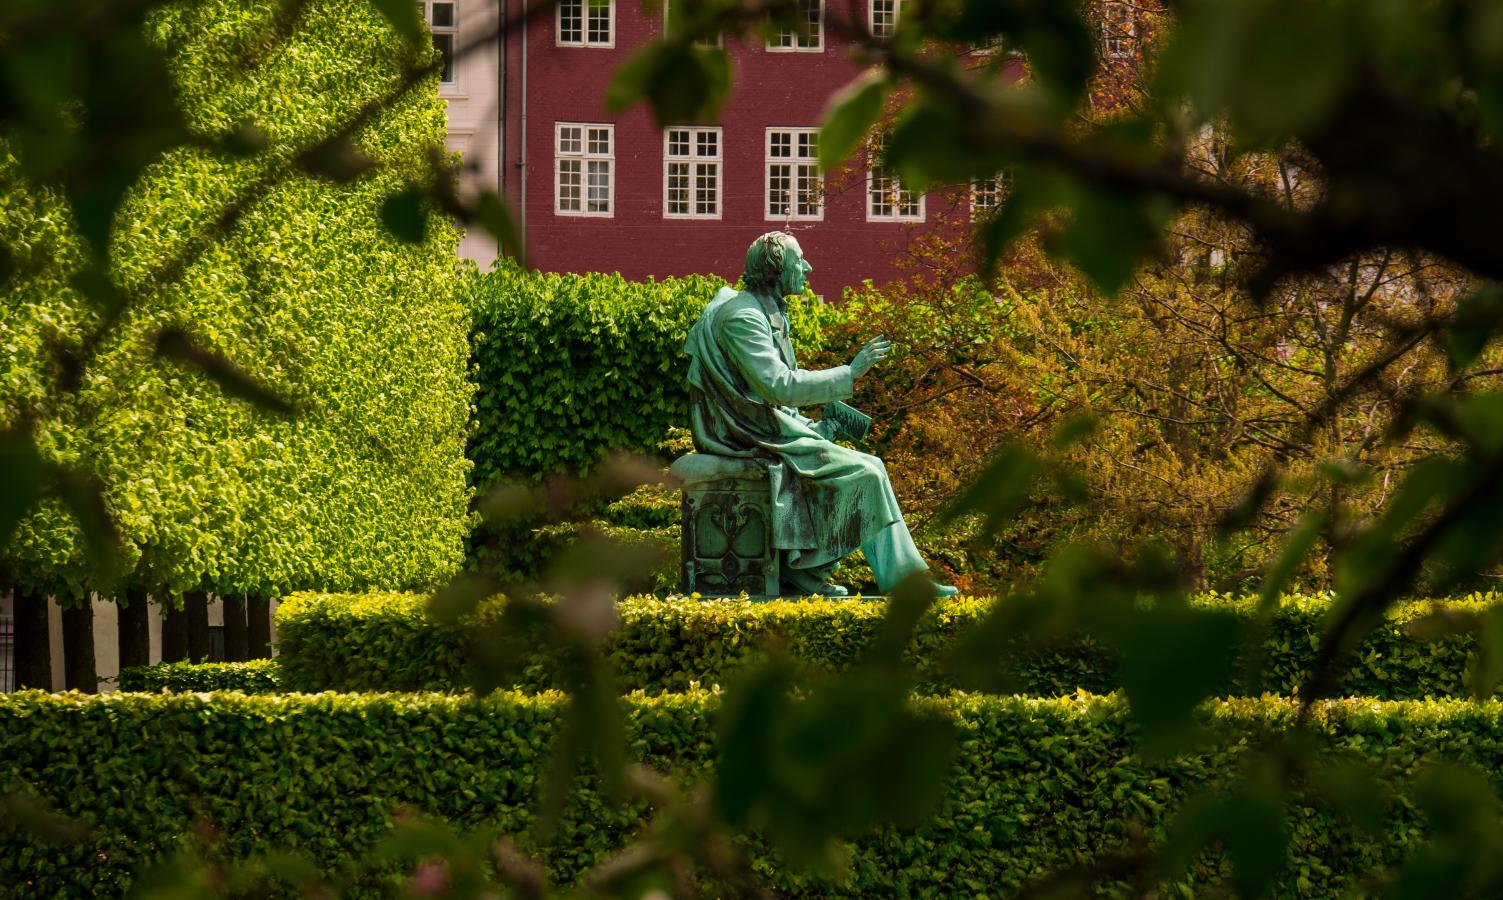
x=805, y=585
x=945, y=590
x=822, y=589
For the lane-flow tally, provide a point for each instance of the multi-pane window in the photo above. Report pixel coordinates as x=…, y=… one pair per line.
x=988, y=193
x=1119, y=30
x=7, y=653
x=585, y=160
x=586, y=23
x=794, y=187
x=810, y=37
x=884, y=16
x=886, y=198
x=443, y=20
x=691, y=173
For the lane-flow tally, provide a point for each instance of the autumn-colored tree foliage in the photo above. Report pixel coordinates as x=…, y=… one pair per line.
x=1195, y=382
x=1193, y=386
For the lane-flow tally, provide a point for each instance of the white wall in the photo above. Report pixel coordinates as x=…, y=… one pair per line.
x=474, y=110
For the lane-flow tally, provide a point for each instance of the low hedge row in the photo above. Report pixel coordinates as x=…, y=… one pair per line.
x=1039, y=784
x=258, y=676
x=386, y=642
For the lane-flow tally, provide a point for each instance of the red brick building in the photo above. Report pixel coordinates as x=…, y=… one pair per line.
x=603, y=191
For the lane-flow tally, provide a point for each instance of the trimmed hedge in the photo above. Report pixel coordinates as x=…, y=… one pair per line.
x=308, y=292
x=258, y=676
x=359, y=642
x=1038, y=784
x=571, y=367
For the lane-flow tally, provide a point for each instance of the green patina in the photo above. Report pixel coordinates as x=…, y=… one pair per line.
x=745, y=388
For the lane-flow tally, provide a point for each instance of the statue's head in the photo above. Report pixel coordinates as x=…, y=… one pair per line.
x=775, y=264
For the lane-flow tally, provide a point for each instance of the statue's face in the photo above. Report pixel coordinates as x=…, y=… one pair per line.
x=795, y=268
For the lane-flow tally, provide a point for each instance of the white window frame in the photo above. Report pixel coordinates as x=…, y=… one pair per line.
x=775, y=45
x=584, y=156
x=795, y=161
x=1000, y=188
x=719, y=40
x=694, y=161
x=584, y=24
x=452, y=30
x=897, y=16
x=875, y=171
x=1119, y=38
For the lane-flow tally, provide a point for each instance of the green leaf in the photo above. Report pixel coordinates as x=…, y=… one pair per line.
x=1274, y=67
x=405, y=215
x=461, y=597
x=911, y=599
x=1001, y=489
x=177, y=345
x=753, y=703
x=494, y=215
x=1248, y=823
x=850, y=114
x=21, y=472
x=921, y=161
x=23, y=811
x=1015, y=216
x=1477, y=318
x=403, y=16
x=1172, y=659
x=1110, y=235
x=337, y=159
x=1297, y=545
x=84, y=496
x=684, y=84
x=1060, y=46
x=1455, y=799
x=1487, y=659
x=1352, y=788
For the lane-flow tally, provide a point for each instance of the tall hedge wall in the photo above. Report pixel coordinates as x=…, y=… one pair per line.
x=386, y=642
x=1039, y=784
x=367, y=485
x=571, y=367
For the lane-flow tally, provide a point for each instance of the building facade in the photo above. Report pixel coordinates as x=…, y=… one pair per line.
x=601, y=191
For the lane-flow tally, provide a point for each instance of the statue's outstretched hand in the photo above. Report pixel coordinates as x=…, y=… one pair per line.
x=874, y=352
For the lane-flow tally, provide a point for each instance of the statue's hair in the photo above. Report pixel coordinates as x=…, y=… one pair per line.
x=764, y=261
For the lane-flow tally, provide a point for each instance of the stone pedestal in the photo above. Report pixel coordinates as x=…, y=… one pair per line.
x=727, y=527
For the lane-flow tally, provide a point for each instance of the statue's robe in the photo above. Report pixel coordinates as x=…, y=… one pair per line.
x=745, y=388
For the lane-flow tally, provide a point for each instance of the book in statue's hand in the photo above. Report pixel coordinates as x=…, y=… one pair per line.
x=848, y=420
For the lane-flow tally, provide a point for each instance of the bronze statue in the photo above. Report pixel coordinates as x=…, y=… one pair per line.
x=745, y=390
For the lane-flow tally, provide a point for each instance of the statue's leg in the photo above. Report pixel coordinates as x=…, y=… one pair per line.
x=893, y=556
x=812, y=580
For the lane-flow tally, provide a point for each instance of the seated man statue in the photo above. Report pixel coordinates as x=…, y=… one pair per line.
x=745, y=388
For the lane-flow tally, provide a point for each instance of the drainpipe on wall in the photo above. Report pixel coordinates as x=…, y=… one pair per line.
x=522, y=198
x=501, y=87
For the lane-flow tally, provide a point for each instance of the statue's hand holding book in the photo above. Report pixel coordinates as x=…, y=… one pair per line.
x=849, y=421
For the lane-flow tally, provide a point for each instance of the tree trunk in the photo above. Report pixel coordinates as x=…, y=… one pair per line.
x=258, y=614
x=33, y=643
x=174, y=633
x=135, y=631
x=196, y=605
x=79, y=673
x=236, y=637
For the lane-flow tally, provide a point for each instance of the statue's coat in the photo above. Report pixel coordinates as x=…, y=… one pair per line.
x=745, y=388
